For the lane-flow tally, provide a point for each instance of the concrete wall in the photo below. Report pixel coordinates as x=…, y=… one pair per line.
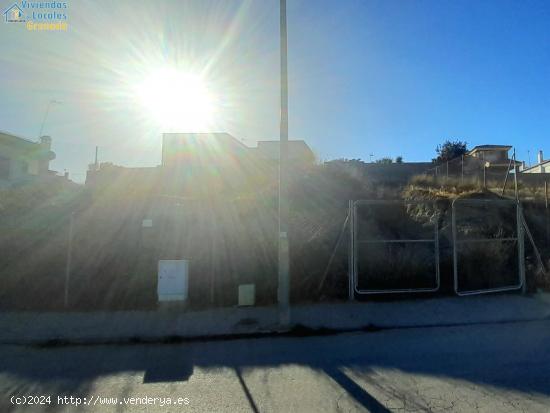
x=395, y=172
x=534, y=180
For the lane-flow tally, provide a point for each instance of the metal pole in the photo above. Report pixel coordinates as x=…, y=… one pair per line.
x=455, y=247
x=333, y=254
x=546, y=194
x=506, y=177
x=547, y=213
x=69, y=260
x=50, y=103
x=484, y=177
x=532, y=240
x=351, y=256
x=284, y=264
x=521, y=247
x=213, y=267
x=516, y=176
x=44, y=119
x=462, y=169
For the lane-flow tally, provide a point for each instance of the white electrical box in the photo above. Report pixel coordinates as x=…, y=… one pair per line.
x=173, y=280
x=247, y=294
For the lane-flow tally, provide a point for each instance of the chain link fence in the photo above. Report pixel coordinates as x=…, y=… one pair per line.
x=395, y=248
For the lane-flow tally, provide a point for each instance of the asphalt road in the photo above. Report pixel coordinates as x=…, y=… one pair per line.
x=492, y=368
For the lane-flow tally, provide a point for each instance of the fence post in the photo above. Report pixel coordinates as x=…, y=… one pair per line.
x=351, y=256
x=454, y=238
x=462, y=169
x=69, y=261
x=506, y=177
x=521, y=247
x=334, y=251
x=547, y=213
x=516, y=176
x=546, y=194
x=213, y=265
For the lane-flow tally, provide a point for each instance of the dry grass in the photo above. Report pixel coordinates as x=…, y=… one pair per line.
x=432, y=187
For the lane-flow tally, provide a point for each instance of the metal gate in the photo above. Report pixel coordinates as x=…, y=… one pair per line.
x=424, y=236
x=497, y=226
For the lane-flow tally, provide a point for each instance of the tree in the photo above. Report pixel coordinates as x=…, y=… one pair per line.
x=384, y=160
x=399, y=159
x=450, y=150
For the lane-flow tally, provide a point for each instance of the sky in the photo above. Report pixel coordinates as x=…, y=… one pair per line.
x=381, y=78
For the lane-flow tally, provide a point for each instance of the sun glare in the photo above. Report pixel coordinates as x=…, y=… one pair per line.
x=177, y=101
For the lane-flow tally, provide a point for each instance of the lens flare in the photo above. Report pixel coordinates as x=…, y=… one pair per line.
x=177, y=101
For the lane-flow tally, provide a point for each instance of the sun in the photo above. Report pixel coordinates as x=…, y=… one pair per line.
x=177, y=101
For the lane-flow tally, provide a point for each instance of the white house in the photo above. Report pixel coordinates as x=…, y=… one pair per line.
x=22, y=159
x=542, y=166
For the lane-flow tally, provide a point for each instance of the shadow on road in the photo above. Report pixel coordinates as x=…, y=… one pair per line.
x=246, y=391
x=356, y=391
x=512, y=356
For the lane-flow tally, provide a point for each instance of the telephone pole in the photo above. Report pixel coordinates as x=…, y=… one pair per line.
x=283, y=293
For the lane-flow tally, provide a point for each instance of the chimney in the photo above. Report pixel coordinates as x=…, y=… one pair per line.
x=540, y=158
x=522, y=166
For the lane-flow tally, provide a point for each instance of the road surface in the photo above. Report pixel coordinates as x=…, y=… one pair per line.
x=491, y=368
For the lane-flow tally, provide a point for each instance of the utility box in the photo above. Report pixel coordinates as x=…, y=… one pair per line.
x=173, y=280
x=247, y=294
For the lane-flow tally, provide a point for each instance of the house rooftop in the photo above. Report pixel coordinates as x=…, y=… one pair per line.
x=546, y=162
x=276, y=142
x=490, y=148
x=15, y=138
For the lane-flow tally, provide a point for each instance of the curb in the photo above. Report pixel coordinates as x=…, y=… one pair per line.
x=298, y=330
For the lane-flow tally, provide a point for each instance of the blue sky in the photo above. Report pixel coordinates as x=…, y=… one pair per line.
x=383, y=77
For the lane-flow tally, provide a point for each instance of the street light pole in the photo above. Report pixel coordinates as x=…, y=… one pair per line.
x=283, y=258
x=50, y=103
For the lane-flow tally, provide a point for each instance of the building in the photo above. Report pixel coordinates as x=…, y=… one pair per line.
x=486, y=163
x=22, y=160
x=193, y=149
x=496, y=155
x=298, y=151
x=542, y=166
x=203, y=164
x=216, y=148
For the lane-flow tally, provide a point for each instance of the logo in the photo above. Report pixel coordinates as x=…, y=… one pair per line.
x=39, y=16
x=14, y=14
